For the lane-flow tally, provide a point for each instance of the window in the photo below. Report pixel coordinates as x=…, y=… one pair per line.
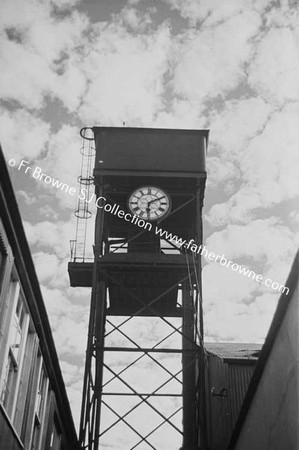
x=55, y=436
x=3, y=256
x=35, y=436
x=40, y=404
x=14, y=360
x=6, y=262
x=41, y=394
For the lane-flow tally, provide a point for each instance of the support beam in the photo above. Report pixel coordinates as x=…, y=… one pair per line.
x=188, y=362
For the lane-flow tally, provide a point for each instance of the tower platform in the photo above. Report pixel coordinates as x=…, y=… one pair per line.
x=135, y=280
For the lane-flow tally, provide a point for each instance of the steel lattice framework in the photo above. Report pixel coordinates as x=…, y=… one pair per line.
x=98, y=359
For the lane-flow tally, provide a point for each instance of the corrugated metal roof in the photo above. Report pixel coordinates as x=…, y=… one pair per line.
x=233, y=350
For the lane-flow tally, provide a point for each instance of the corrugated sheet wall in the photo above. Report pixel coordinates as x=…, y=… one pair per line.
x=231, y=379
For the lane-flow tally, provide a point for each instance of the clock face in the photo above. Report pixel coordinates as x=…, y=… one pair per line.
x=149, y=203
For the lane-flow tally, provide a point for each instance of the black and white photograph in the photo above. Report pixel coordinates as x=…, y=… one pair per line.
x=149, y=224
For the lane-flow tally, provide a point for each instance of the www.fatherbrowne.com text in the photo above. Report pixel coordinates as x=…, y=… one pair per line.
x=188, y=245
x=182, y=244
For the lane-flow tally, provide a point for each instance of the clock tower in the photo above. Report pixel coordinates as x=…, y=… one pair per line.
x=144, y=371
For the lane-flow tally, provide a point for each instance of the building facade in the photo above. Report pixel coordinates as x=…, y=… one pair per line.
x=34, y=409
x=268, y=419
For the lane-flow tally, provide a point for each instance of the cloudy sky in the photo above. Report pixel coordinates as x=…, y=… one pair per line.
x=229, y=66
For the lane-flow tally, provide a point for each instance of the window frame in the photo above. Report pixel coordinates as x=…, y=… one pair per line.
x=9, y=404
x=38, y=422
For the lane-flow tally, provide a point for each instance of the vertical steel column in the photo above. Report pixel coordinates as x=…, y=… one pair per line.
x=92, y=383
x=202, y=416
x=100, y=318
x=188, y=363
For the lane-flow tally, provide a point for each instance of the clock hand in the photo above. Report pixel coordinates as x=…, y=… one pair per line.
x=155, y=200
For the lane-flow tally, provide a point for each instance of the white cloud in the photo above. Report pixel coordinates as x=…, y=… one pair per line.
x=136, y=19
x=125, y=74
x=181, y=114
x=46, y=265
x=28, y=86
x=23, y=134
x=233, y=309
x=236, y=308
x=214, y=11
x=274, y=72
x=235, y=125
x=72, y=83
x=53, y=236
x=70, y=334
x=18, y=13
x=294, y=217
x=220, y=171
x=262, y=240
x=29, y=200
x=271, y=162
x=230, y=286
x=68, y=322
x=269, y=168
x=237, y=209
x=227, y=322
x=38, y=44
x=51, y=270
x=216, y=51
x=73, y=377
x=65, y=4
x=62, y=162
x=48, y=212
